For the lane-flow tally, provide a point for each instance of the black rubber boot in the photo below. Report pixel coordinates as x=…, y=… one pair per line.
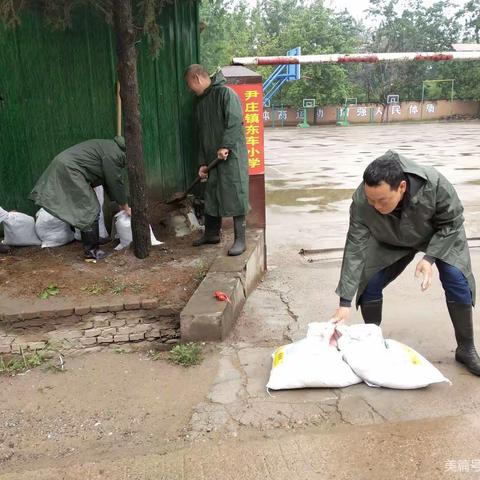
x=104, y=240
x=372, y=311
x=4, y=248
x=239, y=227
x=212, y=231
x=90, y=240
x=461, y=315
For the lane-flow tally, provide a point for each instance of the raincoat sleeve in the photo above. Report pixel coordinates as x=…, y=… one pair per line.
x=202, y=159
x=114, y=184
x=233, y=120
x=447, y=220
x=354, y=255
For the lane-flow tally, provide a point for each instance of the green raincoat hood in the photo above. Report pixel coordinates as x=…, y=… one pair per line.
x=120, y=141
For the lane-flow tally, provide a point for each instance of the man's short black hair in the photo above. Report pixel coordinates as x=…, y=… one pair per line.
x=386, y=168
x=196, y=69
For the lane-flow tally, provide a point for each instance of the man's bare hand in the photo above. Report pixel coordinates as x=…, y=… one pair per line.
x=424, y=268
x=223, y=153
x=341, y=315
x=127, y=209
x=202, y=172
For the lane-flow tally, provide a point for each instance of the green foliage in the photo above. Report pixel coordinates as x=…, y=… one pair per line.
x=274, y=26
x=93, y=289
x=186, y=354
x=21, y=363
x=51, y=291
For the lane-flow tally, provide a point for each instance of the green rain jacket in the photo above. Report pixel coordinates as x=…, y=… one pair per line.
x=65, y=189
x=219, y=123
x=431, y=222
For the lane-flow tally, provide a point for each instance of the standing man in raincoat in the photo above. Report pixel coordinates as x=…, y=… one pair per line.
x=65, y=189
x=219, y=123
x=399, y=209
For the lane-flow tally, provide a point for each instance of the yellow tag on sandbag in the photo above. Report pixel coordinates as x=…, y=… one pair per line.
x=414, y=358
x=278, y=357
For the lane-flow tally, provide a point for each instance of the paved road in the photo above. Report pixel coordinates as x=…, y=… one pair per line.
x=312, y=173
x=240, y=431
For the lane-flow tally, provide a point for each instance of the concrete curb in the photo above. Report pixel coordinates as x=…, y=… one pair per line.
x=205, y=318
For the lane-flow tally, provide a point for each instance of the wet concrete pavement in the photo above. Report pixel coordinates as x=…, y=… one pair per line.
x=239, y=430
x=312, y=173
x=310, y=177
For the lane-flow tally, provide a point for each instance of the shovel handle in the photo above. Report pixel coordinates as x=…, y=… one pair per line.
x=210, y=166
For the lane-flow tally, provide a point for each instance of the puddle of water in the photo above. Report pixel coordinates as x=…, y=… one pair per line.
x=281, y=183
x=473, y=182
x=301, y=196
x=467, y=168
x=466, y=155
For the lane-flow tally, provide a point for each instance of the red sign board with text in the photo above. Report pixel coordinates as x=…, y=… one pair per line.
x=251, y=96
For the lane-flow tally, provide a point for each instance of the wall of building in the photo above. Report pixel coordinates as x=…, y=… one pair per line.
x=373, y=113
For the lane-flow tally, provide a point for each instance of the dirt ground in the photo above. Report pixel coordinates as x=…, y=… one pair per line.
x=106, y=402
x=172, y=272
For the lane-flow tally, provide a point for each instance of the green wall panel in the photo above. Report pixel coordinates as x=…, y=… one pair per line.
x=58, y=88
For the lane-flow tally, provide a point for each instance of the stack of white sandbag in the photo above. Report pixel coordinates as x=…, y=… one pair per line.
x=123, y=227
x=339, y=356
x=52, y=231
x=18, y=229
x=311, y=362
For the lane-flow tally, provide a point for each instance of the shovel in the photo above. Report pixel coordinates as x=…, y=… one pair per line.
x=179, y=196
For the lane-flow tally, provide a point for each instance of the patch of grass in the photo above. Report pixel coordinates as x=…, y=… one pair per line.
x=21, y=364
x=50, y=291
x=49, y=357
x=119, y=350
x=186, y=354
x=93, y=289
x=202, y=270
x=136, y=287
x=116, y=286
x=154, y=355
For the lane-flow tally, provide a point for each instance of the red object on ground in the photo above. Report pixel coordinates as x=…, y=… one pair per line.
x=223, y=297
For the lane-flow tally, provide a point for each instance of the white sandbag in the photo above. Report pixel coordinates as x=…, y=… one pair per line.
x=52, y=231
x=101, y=221
x=18, y=229
x=3, y=215
x=123, y=227
x=311, y=362
x=385, y=363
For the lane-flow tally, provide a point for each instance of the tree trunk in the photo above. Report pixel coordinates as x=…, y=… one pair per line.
x=127, y=72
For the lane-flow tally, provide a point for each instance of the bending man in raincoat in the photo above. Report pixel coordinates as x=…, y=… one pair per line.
x=65, y=189
x=399, y=209
x=219, y=123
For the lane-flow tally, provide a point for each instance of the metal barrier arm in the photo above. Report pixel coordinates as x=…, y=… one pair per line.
x=359, y=58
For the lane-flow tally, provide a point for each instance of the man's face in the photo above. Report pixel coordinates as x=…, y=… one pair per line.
x=383, y=198
x=197, y=84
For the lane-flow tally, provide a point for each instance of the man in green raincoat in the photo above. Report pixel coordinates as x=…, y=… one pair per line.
x=219, y=123
x=65, y=189
x=399, y=209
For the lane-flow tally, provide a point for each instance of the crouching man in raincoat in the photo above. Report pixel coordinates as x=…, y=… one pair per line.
x=65, y=189
x=399, y=209
x=219, y=123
